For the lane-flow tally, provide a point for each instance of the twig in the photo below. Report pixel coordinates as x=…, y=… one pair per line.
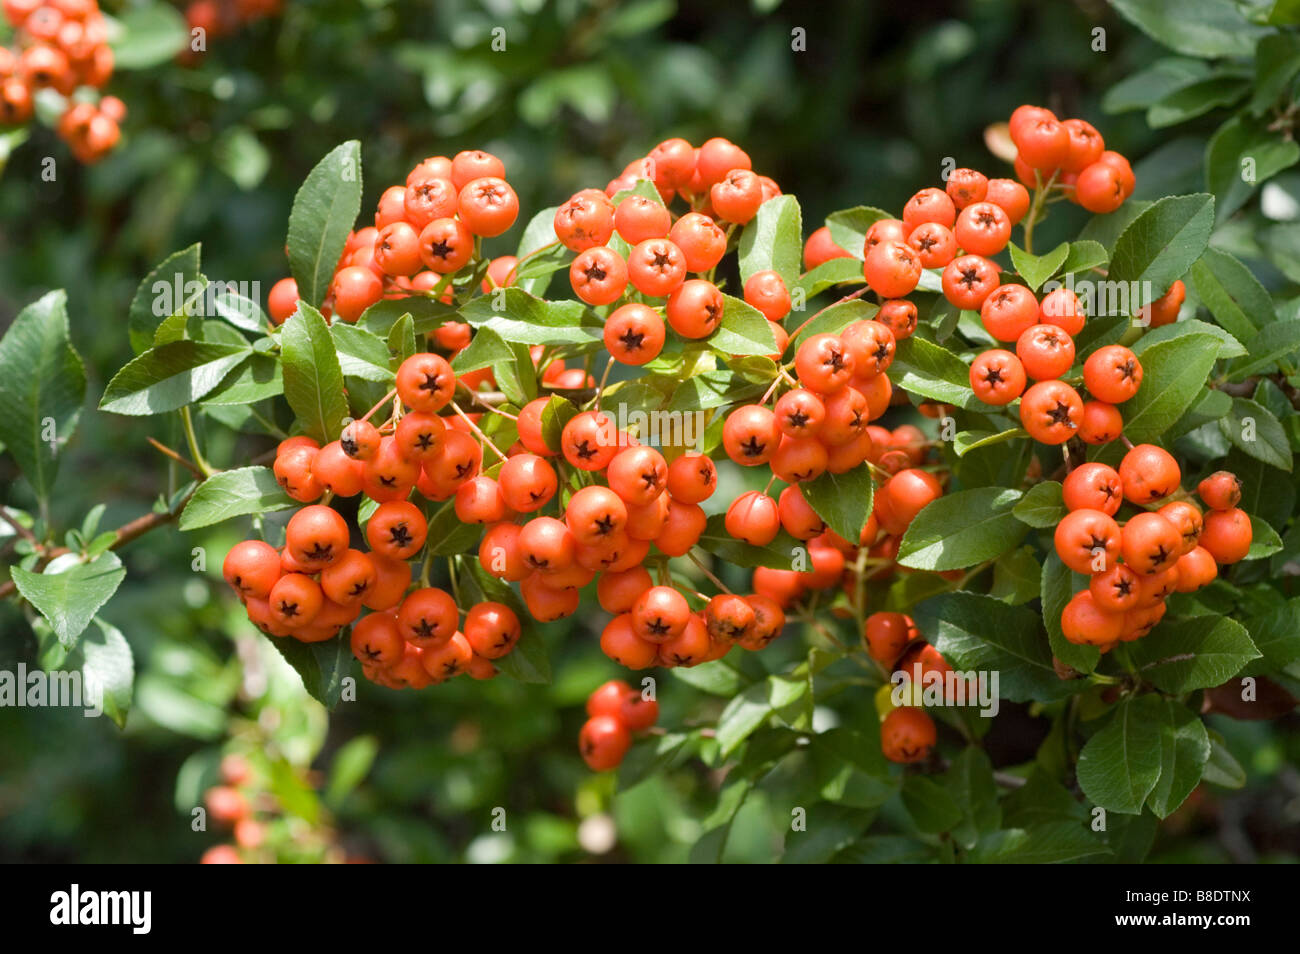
x=168, y=452
x=19, y=528
x=475, y=428
x=705, y=570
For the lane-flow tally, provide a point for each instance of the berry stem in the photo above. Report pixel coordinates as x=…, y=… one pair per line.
x=849, y=297
x=187, y=420
x=487, y=441
x=19, y=528
x=382, y=401
x=600, y=389
x=690, y=555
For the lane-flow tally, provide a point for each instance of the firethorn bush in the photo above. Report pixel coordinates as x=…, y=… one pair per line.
x=878, y=485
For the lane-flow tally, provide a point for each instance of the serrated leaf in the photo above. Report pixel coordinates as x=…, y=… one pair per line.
x=170, y=377
x=1237, y=141
x=1083, y=256
x=324, y=210
x=1174, y=372
x=1057, y=585
x=833, y=319
x=1229, y=347
x=837, y=271
x=1232, y=293
x=107, y=669
x=848, y=227
x=233, y=493
x=960, y=530
x=70, y=595
x=932, y=807
x=977, y=632
x=1204, y=28
x=1253, y=428
x=555, y=415
x=1120, y=765
x=1184, y=750
x=362, y=354
x=313, y=378
x=1042, y=506
x=528, y=661
x=322, y=666
x=1036, y=269
x=529, y=320
x=742, y=715
x=1274, y=341
x=401, y=338
x=1052, y=842
x=842, y=500
x=743, y=330
x=1182, y=655
x=773, y=240
x=1161, y=244
x=42, y=387
x=925, y=368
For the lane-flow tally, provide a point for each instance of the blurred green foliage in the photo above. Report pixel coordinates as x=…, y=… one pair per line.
x=212, y=152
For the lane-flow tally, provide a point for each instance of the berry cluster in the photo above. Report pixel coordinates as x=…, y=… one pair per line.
x=425, y=232
x=61, y=45
x=317, y=583
x=1072, y=155
x=907, y=733
x=614, y=711
x=1136, y=563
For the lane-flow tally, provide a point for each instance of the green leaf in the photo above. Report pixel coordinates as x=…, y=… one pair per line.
x=842, y=500
x=170, y=377
x=779, y=554
x=427, y=315
x=924, y=368
x=256, y=378
x=362, y=354
x=1049, y=843
x=322, y=666
x=1120, y=765
x=1204, y=28
x=1141, y=89
x=960, y=530
x=835, y=318
x=313, y=377
x=531, y=321
x=1036, y=269
x=964, y=442
x=69, y=594
x=848, y=227
x=1057, y=585
x=1196, y=99
x=716, y=678
x=107, y=669
x=741, y=716
x=653, y=757
x=1273, y=342
x=978, y=632
x=970, y=781
x=932, y=807
x=1242, y=146
x=1173, y=374
x=743, y=330
x=528, y=661
x=242, y=312
x=1182, y=655
x=233, y=493
x=1083, y=256
x=1042, y=506
x=350, y=766
x=447, y=535
x=148, y=36
x=557, y=413
x=1222, y=769
x=162, y=294
x=1184, y=750
x=1016, y=577
x=1277, y=61
x=1276, y=635
x=1253, y=428
x=324, y=210
x=401, y=338
x=713, y=389
x=837, y=271
x=1161, y=244
x=535, y=273
x=1229, y=347
x=773, y=240
x=42, y=387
